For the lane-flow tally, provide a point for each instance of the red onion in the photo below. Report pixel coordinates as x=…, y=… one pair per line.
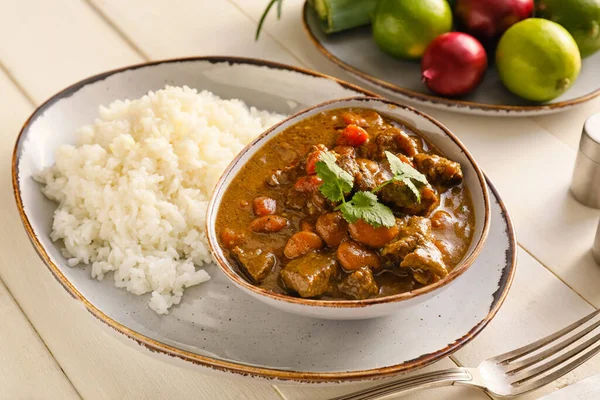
x=453, y=64
x=488, y=19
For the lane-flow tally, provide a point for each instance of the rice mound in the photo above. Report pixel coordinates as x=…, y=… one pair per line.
x=133, y=192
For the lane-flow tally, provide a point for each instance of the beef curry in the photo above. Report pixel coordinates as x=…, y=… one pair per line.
x=347, y=204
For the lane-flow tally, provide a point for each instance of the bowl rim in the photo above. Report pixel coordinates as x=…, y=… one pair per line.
x=224, y=265
x=226, y=366
x=424, y=98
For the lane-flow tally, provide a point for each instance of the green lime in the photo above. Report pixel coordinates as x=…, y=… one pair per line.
x=580, y=17
x=404, y=28
x=537, y=59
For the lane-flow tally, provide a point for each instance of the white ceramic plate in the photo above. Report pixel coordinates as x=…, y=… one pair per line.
x=356, y=51
x=217, y=327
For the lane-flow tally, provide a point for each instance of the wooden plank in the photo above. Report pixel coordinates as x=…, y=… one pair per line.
x=75, y=338
x=538, y=305
x=51, y=44
x=23, y=356
x=291, y=392
x=182, y=28
x=86, y=348
x=288, y=32
x=25, y=359
x=567, y=125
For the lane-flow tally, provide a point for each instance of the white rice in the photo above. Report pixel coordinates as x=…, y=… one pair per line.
x=133, y=192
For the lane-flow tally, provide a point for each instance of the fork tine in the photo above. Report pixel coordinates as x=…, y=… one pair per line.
x=529, y=374
x=530, y=348
x=547, y=379
x=519, y=365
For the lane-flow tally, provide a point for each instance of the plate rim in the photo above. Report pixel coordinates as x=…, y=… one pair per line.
x=424, y=98
x=225, y=366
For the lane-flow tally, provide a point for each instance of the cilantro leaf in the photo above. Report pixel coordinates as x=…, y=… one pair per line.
x=412, y=188
x=406, y=174
x=400, y=168
x=336, y=182
x=364, y=205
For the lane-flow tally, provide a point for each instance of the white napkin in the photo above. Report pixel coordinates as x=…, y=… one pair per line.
x=587, y=389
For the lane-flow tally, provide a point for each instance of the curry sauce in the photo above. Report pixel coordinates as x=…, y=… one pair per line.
x=277, y=225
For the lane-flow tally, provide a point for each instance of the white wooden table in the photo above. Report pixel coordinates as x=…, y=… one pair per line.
x=51, y=348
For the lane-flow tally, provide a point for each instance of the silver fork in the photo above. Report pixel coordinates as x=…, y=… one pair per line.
x=519, y=371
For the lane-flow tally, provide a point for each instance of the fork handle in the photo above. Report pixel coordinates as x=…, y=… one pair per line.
x=445, y=377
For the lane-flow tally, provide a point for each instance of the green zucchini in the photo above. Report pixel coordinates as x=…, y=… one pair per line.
x=340, y=15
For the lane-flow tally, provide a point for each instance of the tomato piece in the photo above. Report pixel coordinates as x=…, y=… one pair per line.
x=311, y=162
x=308, y=184
x=353, y=135
x=268, y=224
x=264, y=206
x=364, y=233
x=301, y=243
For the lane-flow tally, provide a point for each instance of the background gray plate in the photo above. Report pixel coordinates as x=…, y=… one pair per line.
x=356, y=51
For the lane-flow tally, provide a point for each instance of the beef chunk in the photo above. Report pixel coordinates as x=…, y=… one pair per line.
x=314, y=203
x=257, y=263
x=295, y=200
x=367, y=174
x=413, y=230
x=415, y=249
x=317, y=203
x=426, y=263
x=347, y=151
x=405, y=143
x=370, y=174
x=310, y=275
x=438, y=169
x=399, y=195
x=359, y=285
x=393, y=140
x=284, y=176
x=346, y=160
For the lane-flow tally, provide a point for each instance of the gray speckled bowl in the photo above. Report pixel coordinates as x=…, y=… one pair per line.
x=218, y=328
x=427, y=127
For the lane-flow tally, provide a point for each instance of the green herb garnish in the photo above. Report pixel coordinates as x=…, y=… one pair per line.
x=338, y=183
x=404, y=173
x=364, y=205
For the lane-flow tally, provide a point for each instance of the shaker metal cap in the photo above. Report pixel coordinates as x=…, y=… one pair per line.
x=590, y=138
